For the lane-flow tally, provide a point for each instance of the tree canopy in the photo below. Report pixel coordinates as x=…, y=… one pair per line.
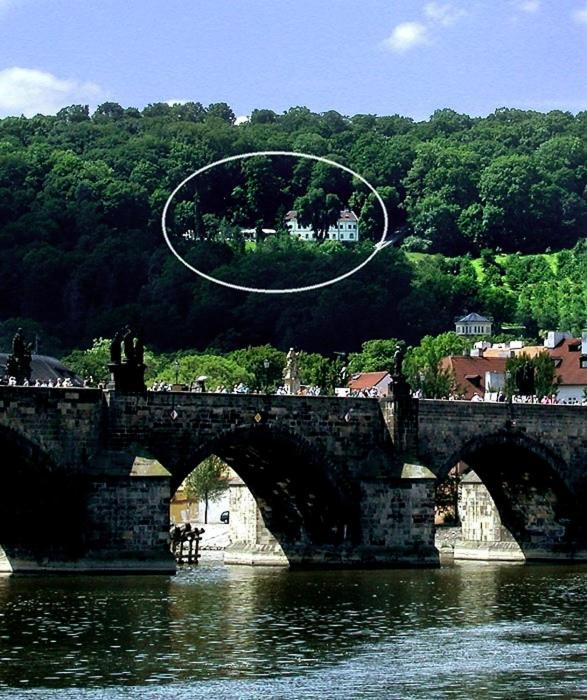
x=81, y=196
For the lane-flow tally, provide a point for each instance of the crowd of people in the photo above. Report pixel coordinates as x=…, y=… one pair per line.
x=240, y=388
x=312, y=390
x=500, y=397
x=51, y=383
x=371, y=393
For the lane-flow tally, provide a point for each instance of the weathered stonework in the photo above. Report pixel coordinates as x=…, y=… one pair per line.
x=397, y=518
x=250, y=541
x=530, y=457
x=483, y=535
x=330, y=476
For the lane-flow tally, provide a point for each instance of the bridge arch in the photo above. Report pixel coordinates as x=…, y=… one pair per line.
x=526, y=481
x=303, y=498
x=41, y=505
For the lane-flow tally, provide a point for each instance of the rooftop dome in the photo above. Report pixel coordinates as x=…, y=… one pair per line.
x=45, y=368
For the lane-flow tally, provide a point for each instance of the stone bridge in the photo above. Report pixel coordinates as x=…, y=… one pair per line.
x=339, y=482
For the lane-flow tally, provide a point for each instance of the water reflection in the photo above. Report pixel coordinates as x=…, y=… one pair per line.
x=245, y=632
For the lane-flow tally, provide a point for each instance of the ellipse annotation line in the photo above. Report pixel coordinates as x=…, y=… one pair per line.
x=380, y=245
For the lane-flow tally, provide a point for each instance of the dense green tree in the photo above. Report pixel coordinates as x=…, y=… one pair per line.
x=263, y=363
x=543, y=375
x=423, y=368
x=74, y=114
x=375, y=356
x=108, y=110
x=318, y=210
x=221, y=110
x=187, y=367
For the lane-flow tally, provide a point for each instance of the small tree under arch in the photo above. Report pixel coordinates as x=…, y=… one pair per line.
x=207, y=482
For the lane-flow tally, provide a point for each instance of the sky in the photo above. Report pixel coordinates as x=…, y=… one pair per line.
x=408, y=57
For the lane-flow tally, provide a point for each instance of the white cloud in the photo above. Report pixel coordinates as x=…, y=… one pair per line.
x=406, y=36
x=444, y=14
x=241, y=120
x=529, y=6
x=176, y=102
x=28, y=91
x=580, y=15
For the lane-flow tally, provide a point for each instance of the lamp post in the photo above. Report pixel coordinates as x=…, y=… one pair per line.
x=422, y=378
x=266, y=365
x=176, y=367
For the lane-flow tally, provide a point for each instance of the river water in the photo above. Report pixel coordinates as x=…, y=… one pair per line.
x=470, y=630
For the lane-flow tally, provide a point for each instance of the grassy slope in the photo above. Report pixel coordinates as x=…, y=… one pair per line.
x=478, y=265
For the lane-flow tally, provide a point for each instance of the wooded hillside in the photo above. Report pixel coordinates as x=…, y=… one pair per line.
x=82, y=253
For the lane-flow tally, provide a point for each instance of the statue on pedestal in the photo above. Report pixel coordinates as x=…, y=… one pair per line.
x=18, y=364
x=291, y=373
x=127, y=375
x=398, y=360
x=128, y=344
x=400, y=385
x=115, y=349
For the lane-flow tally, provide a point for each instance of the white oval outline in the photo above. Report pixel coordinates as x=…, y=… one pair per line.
x=382, y=243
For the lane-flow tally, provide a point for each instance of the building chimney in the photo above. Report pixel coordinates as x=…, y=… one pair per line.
x=553, y=338
x=584, y=342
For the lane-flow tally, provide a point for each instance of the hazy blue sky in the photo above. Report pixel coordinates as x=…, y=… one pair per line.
x=354, y=56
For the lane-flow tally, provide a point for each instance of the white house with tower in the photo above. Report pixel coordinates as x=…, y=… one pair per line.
x=473, y=324
x=345, y=230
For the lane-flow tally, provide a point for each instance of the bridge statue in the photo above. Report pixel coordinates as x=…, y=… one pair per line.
x=400, y=385
x=127, y=375
x=18, y=364
x=291, y=373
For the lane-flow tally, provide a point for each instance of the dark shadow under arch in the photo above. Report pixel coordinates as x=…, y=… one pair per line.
x=525, y=480
x=41, y=505
x=302, y=498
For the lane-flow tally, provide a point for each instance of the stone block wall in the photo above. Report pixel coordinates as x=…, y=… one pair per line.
x=396, y=515
x=349, y=432
x=445, y=427
x=483, y=535
x=243, y=514
x=251, y=541
x=65, y=424
x=480, y=519
x=356, y=447
x=128, y=518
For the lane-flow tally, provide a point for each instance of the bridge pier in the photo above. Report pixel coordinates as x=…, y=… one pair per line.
x=485, y=537
x=252, y=543
x=112, y=519
x=396, y=528
x=397, y=519
x=128, y=520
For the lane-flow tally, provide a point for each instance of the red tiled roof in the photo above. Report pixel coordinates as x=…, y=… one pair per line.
x=569, y=368
x=345, y=215
x=367, y=380
x=469, y=372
